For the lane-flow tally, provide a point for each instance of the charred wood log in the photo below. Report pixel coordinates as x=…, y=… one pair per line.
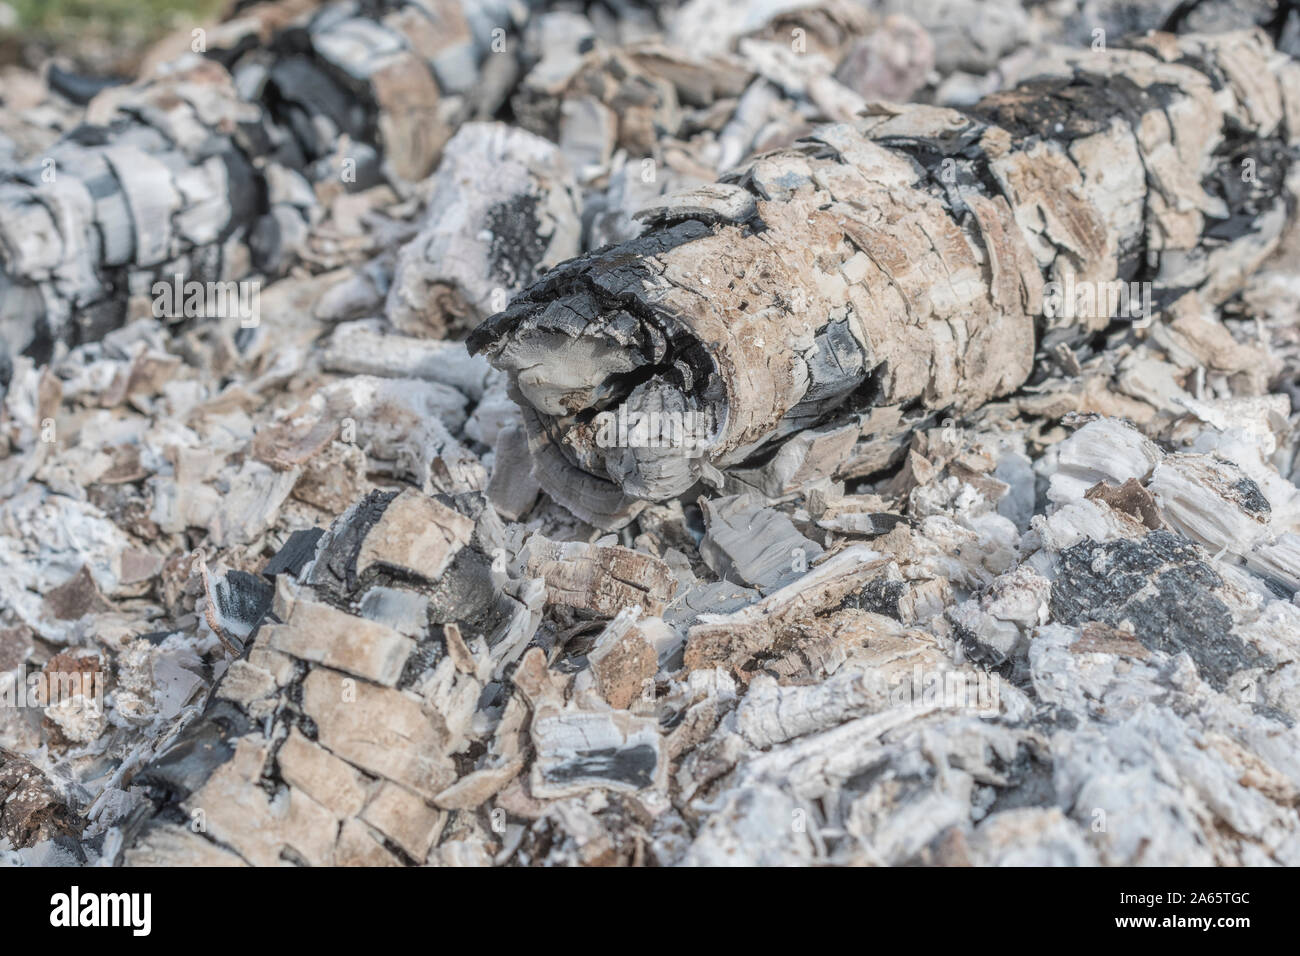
x=798, y=317
x=212, y=169
x=166, y=184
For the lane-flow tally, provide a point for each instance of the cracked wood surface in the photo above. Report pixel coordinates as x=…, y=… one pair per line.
x=897, y=262
x=217, y=168
x=1036, y=611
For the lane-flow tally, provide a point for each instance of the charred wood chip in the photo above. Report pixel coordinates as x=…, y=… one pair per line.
x=239, y=603
x=202, y=747
x=1102, y=639
x=733, y=640
x=295, y=553
x=1159, y=588
x=753, y=544
x=624, y=661
x=1131, y=499
x=600, y=580
x=76, y=597
x=30, y=809
x=415, y=535
x=335, y=567
x=322, y=634
x=579, y=750
x=77, y=87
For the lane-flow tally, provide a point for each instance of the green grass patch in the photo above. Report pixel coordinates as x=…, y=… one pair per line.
x=125, y=26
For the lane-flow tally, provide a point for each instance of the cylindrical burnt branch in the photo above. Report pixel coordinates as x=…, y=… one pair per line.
x=212, y=168
x=904, y=264
x=167, y=185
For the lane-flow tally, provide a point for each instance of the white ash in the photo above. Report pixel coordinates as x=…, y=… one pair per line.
x=1057, y=627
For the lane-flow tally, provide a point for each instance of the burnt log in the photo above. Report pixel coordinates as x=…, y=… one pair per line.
x=213, y=168
x=797, y=318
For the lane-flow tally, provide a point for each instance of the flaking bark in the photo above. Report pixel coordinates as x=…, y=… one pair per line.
x=216, y=168
x=882, y=271
x=31, y=810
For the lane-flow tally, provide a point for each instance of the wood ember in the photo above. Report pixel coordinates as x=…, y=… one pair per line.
x=735, y=638
x=578, y=750
x=529, y=214
x=317, y=632
x=76, y=597
x=624, y=660
x=598, y=579
x=754, y=544
x=415, y=535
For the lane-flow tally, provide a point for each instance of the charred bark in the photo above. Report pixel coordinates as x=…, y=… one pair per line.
x=797, y=318
x=213, y=169
x=400, y=619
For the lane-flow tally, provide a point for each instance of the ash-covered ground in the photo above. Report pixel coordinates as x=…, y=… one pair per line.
x=703, y=433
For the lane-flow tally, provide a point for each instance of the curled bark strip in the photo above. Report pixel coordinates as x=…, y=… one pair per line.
x=901, y=264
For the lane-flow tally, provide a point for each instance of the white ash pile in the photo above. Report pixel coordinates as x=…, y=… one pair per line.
x=323, y=588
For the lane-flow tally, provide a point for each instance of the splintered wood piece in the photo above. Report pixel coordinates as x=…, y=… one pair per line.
x=729, y=640
x=601, y=580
